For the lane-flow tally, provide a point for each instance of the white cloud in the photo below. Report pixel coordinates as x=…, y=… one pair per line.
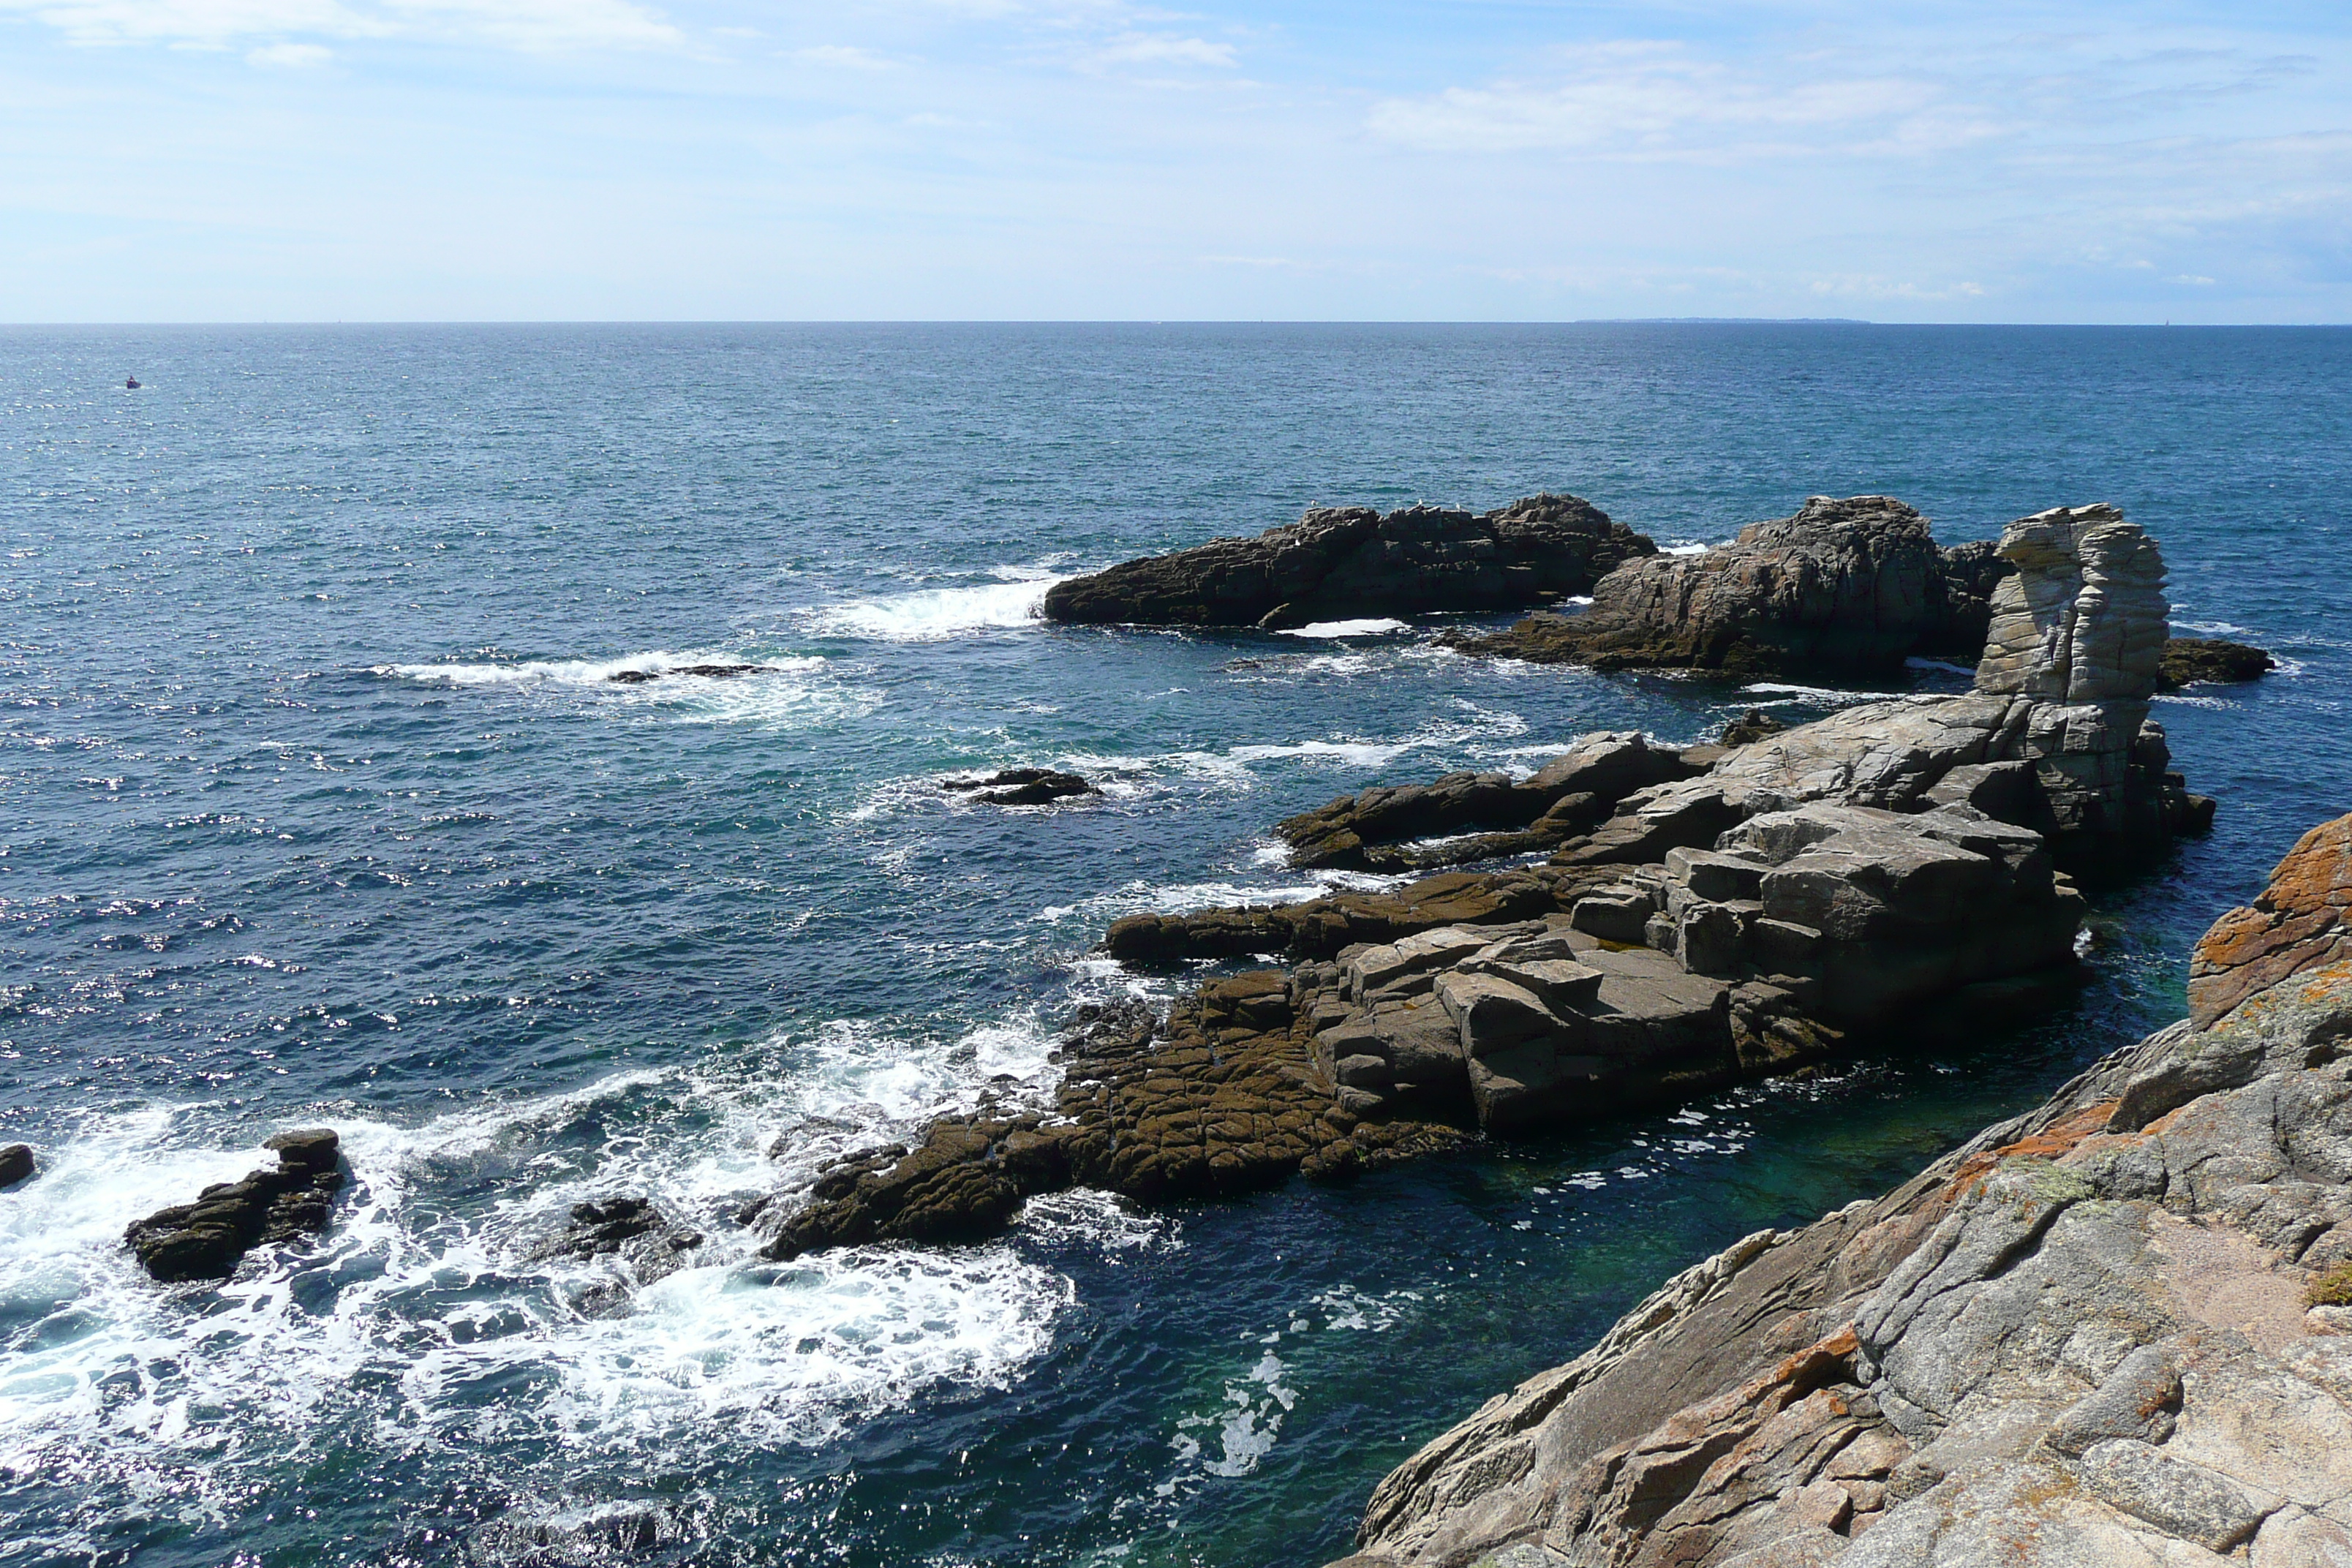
x=1648, y=98
x=519, y=24
x=294, y=56
x=842, y=57
x=1161, y=49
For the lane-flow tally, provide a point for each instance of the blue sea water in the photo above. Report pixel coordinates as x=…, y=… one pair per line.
x=319, y=806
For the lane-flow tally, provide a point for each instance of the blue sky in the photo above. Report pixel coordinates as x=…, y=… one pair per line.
x=294, y=160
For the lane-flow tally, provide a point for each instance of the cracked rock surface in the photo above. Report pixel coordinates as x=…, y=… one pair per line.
x=2082, y=1338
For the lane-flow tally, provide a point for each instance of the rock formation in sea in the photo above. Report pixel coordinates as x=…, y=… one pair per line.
x=632, y=1231
x=1709, y=915
x=1021, y=787
x=1344, y=563
x=2189, y=661
x=205, y=1239
x=1850, y=584
x=2110, y=1330
x=15, y=1164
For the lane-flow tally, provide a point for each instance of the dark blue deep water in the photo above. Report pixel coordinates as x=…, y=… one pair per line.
x=318, y=809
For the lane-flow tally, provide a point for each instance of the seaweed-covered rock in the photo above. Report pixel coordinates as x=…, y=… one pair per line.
x=2188, y=661
x=1349, y=561
x=205, y=1239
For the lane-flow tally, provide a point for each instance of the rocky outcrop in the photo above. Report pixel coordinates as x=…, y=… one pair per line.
x=205, y=1239
x=1349, y=561
x=15, y=1164
x=705, y=672
x=630, y=1230
x=1320, y=928
x=1570, y=794
x=1851, y=584
x=2302, y=922
x=2190, y=661
x=2084, y=1337
x=1021, y=787
x=1218, y=1100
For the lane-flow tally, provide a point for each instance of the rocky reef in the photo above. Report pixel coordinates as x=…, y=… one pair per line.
x=1021, y=787
x=1850, y=584
x=290, y=1202
x=15, y=1164
x=2103, y=1332
x=1339, y=563
x=2191, y=661
x=1708, y=915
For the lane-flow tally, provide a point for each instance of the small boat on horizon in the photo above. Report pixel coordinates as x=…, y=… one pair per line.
x=131, y=384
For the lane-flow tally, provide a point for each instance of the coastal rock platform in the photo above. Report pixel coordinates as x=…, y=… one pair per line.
x=2101, y=1332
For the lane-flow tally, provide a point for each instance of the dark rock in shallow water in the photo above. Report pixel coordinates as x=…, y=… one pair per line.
x=1842, y=585
x=1750, y=727
x=205, y=1240
x=15, y=1164
x=2188, y=660
x=1024, y=786
x=610, y=1533
x=1339, y=564
x=631, y=1229
x=709, y=671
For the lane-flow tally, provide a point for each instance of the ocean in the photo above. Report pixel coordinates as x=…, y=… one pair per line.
x=318, y=806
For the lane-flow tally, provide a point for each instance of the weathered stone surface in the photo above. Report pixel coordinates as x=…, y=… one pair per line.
x=2079, y=1339
x=2302, y=920
x=15, y=1164
x=1022, y=786
x=1569, y=795
x=2188, y=661
x=1221, y=1098
x=205, y=1239
x=1852, y=583
x=1320, y=928
x=1342, y=562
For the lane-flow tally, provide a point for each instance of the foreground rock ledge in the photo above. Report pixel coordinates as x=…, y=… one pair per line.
x=2082, y=1338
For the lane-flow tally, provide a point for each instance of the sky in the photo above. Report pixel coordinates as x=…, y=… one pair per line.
x=1389, y=160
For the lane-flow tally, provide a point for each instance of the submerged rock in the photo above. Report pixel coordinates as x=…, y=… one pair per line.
x=2187, y=661
x=1856, y=584
x=1022, y=786
x=15, y=1164
x=205, y=1239
x=1346, y=563
x=707, y=671
x=632, y=1231
x=2080, y=1338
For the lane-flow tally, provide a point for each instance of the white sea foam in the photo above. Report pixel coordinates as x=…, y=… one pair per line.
x=788, y=692
x=420, y=1319
x=931, y=614
x=1946, y=665
x=1685, y=547
x=1810, y=693
x=1359, y=628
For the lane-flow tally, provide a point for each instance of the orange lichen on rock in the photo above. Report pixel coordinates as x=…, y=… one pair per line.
x=2302, y=919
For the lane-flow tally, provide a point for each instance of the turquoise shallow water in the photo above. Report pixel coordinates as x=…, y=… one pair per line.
x=318, y=806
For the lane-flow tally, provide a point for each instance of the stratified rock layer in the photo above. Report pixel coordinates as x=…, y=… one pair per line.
x=1342, y=562
x=1856, y=583
x=2081, y=1339
x=205, y=1239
